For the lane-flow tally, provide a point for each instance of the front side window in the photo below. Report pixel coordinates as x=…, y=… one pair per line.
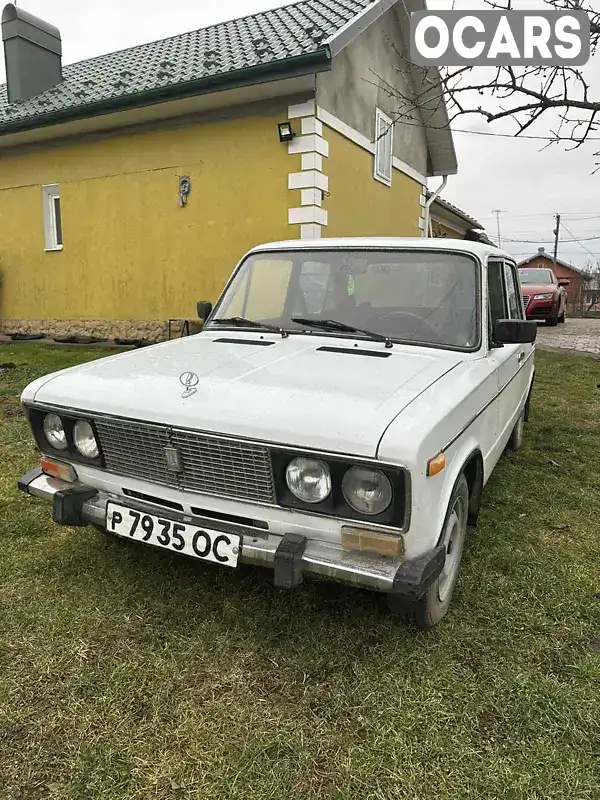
x=425, y=297
x=497, y=305
x=515, y=306
x=53, y=236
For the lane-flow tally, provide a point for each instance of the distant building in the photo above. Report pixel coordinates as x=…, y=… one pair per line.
x=577, y=277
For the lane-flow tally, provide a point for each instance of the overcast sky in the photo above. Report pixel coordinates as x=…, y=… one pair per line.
x=514, y=175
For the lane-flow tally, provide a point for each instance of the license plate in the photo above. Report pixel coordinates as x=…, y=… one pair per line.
x=216, y=546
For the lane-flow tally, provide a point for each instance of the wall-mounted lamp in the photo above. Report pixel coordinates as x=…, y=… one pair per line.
x=286, y=132
x=185, y=187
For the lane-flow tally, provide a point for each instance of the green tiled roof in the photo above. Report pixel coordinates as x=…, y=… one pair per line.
x=260, y=43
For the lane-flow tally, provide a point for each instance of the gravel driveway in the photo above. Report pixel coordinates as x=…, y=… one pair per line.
x=582, y=335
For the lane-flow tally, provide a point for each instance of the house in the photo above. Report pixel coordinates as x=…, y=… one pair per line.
x=132, y=183
x=448, y=221
x=577, y=277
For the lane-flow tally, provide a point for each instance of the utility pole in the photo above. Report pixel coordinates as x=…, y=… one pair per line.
x=556, y=236
x=497, y=212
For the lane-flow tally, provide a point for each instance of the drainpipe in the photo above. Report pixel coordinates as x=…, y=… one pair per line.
x=434, y=196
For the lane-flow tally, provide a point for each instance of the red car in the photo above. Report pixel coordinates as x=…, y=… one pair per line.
x=544, y=296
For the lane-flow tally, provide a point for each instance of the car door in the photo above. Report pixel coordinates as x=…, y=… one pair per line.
x=515, y=360
x=525, y=351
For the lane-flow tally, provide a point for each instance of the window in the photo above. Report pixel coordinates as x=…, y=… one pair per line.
x=384, y=147
x=514, y=296
x=416, y=297
x=497, y=308
x=52, y=217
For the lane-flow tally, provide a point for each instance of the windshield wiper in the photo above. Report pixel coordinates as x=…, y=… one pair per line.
x=242, y=322
x=334, y=325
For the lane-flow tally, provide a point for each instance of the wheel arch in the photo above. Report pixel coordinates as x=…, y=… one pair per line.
x=470, y=463
x=473, y=471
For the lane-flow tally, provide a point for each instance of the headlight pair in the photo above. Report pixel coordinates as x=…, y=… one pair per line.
x=84, y=438
x=368, y=491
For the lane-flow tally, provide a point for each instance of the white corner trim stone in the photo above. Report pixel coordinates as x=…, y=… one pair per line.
x=312, y=161
x=310, y=143
x=307, y=214
x=307, y=109
x=311, y=231
x=363, y=141
x=311, y=181
x=311, y=197
x=312, y=125
x=308, y=179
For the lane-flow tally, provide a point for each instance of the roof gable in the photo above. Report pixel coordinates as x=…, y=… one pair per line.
x=259, y=43
x=550, y=259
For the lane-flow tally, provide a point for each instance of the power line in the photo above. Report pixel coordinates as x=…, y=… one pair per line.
x=500, y=135
x=578, y=241
x=545, y=241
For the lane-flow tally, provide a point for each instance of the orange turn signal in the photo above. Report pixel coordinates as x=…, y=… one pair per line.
x=56, y=469
x=370, y=541
x=435, y=465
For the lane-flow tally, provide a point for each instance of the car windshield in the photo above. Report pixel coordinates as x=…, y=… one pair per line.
x=427, y=297
x=536, y=276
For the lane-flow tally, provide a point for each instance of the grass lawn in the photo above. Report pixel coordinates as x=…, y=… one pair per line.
x=128, y=673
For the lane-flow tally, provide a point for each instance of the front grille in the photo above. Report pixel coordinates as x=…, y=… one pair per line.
x=210, y=464
x=526, y=298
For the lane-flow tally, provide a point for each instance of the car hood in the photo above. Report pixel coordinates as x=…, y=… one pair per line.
x=538, y=288
x=289, y=392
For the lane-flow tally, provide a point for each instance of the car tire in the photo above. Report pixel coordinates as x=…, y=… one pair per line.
x=430, y=609
x=516, y=438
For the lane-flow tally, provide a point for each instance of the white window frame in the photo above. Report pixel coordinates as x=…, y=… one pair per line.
x=50, y=194
x=384, y=148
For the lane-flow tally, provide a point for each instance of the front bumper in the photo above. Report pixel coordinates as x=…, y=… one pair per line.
x=291, y=556
x=541, y=309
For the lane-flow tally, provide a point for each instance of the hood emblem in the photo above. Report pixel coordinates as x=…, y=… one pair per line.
x=173, y=459
x=190, y=380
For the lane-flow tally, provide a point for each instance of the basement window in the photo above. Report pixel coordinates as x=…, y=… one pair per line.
x=52, y=218
x=384, y=147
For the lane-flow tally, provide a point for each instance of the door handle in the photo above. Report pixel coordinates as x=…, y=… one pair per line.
x=521, y=357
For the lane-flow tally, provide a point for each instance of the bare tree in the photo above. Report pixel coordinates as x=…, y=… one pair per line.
x=525, y=95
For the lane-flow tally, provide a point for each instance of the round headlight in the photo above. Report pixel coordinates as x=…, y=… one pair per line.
x=55, y=432
x=85, y=441
x=367, y=491
x=309, y=480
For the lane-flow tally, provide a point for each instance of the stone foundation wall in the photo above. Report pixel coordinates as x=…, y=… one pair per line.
x=101, y=328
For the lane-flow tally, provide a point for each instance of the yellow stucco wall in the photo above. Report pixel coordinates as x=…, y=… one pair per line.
x=130, y=251
x=358, y=205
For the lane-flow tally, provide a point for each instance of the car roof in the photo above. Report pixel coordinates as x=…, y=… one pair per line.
x=386, y=243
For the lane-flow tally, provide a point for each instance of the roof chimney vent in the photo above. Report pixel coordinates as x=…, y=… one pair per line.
x=32, y=52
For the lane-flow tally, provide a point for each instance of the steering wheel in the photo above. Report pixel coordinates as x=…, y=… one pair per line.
x=425, y=323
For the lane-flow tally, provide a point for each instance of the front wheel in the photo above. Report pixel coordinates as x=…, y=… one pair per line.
x=433, y=606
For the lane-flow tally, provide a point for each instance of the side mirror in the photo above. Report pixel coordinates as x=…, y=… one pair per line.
x=564, y=282
x=204, y=308
x=515, y=331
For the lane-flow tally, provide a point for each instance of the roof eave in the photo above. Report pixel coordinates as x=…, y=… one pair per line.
x=357, y=25
x=305, y=64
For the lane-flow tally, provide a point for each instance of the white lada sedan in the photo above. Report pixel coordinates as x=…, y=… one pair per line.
x=338, y=416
